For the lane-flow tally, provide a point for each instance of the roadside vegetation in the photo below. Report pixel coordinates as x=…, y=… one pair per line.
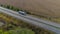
x=10, y=7
x=14, y=8
x=13, y=25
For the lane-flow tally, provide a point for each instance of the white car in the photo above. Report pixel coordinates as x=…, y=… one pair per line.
x=22, y=12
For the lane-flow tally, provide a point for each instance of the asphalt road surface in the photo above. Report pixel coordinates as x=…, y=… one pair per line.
x=33, y=20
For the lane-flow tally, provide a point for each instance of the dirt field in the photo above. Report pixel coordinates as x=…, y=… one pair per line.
x=40, y=7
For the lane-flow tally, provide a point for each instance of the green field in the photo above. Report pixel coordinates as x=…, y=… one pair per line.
x=17, y=31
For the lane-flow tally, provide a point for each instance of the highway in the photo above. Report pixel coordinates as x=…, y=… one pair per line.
x=55, y=27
